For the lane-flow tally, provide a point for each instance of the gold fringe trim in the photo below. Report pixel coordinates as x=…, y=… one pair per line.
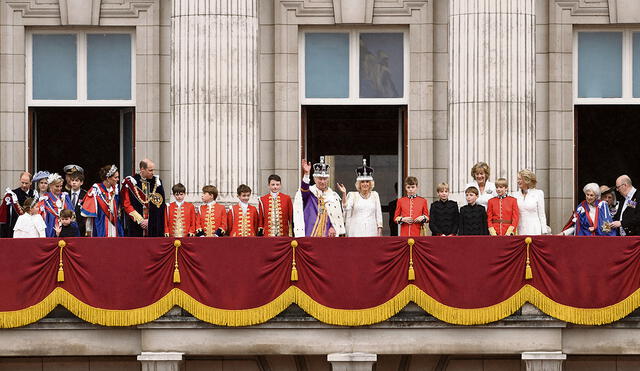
x=342, y=317
x=354, y=317
x=241, y=317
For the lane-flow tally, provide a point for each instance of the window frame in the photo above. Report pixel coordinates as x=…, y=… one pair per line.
x=627, y=67
x=354, y=63
x=82, y=65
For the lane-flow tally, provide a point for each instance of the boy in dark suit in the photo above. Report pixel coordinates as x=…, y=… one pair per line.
x=76, y=194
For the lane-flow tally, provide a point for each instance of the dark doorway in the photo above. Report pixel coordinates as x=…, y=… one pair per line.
x=347, y=134
x=90, y=137
x=606, y=137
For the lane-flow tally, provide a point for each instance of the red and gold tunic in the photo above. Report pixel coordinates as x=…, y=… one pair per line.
x=211, y=217
x=276, y=214
x=180, y=221
x=502, y=215
x=243, y=224
x=412, y=207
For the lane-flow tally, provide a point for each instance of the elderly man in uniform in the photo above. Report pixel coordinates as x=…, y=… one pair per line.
x=12, y=203
x=317, y=209
x=143, y=201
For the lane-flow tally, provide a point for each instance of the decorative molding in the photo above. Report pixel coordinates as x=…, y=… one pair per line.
x=397, y=7
x=58, y=9
x=125, y=8
x=353, y=11
x=624, y=11
x=35, y=9
x=585, y=7
x=307, y=8
x=380, y=8
x=80, y=12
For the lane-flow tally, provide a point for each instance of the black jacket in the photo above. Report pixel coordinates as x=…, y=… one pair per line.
x=631, y=215
x=444, y=217
x=473, y=221
x=81, y=220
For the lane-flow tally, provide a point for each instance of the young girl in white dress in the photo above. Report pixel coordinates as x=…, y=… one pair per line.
x=363, y=213
x=30, y=224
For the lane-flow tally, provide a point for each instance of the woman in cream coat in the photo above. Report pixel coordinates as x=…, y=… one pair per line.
x=363, y=213
x=533, y=220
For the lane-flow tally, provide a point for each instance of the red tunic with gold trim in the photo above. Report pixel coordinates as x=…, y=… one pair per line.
x=502, y=215
x=180, y=221
x=412, y=207
x=276, y=214
x=211, y=217
x=243, y=224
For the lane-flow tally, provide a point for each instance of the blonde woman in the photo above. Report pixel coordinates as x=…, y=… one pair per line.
x=486, y=190
x=533, y=220
x=362, y=210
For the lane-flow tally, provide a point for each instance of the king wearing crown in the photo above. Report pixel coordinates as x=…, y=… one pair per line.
x=317, y=209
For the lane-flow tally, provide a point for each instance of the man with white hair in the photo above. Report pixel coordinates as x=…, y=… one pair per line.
x=317, y=209
x=627, y=219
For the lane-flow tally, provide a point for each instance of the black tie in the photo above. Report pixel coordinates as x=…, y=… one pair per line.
x=74, y=198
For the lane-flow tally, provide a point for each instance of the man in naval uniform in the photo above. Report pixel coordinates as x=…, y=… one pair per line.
x=317, y=209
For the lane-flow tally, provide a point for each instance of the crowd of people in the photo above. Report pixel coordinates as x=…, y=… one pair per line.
x=46, y=205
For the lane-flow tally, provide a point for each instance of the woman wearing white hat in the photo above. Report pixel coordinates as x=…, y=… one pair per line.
x=362, y=209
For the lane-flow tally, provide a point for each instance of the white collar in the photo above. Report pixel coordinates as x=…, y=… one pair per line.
x=631, y=193
x=179, y=203
x=274, y=195
x=211, y=203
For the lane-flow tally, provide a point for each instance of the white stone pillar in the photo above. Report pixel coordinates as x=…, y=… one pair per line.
x=214, y=94
x=161, y=361
x=491, y=88
x=544, y=361
x=352, y=361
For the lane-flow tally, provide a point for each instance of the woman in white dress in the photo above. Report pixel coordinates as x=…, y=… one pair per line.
x=533, y=220
x=363, y=214
x=486, y=189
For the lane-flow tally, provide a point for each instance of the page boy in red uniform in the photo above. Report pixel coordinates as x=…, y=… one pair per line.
x=243, y=219
x=412, y=211
x=212, y=217
x=276, y=210
x=180, y=219
x=502, y=211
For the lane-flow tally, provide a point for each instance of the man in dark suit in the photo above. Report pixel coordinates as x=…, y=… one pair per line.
x=628, y=216
x=22, y=193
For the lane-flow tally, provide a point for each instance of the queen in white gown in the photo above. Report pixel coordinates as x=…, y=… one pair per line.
x=362, y=210
x=533, y=220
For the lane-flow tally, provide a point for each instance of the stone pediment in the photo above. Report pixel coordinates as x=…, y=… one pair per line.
x=353, y=11
x=80, y=12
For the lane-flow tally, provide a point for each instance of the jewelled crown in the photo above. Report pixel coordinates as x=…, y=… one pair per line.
x=321, y=169
x=364, y=172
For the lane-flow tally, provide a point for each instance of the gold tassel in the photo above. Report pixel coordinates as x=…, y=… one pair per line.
x=412, y=273
x=61, y=245
x=176, y=271
x=528, y=273
x=294, y=270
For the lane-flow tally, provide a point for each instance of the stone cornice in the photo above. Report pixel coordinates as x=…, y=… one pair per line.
x=41, y=9
x=325, y=8
x=585, y=7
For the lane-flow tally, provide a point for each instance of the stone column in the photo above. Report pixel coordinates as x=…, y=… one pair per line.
x=162, y=361
x=214, y=101
x=491, y=88
x=352, y=361
x=543, y=361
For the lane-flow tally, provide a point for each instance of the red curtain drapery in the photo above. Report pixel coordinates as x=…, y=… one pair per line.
x=344, y=281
